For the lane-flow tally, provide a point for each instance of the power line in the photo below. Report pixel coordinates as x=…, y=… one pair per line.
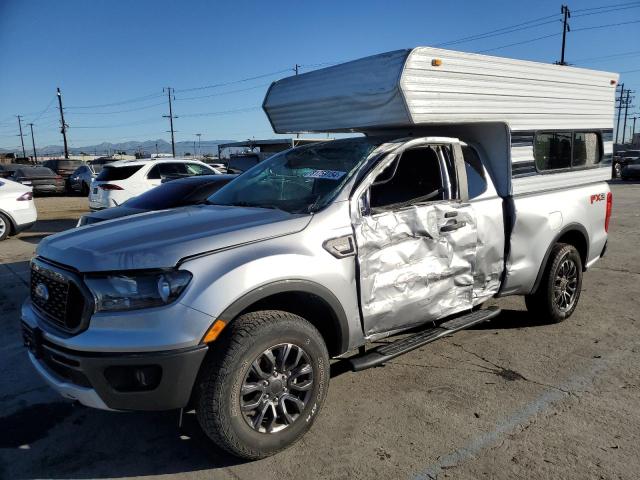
x=606, y=11
x=128, y=124
x=53, y=99
x=262, y=85
x=120, y=111
x=519, y=43
x=557, y=34
x=234, y=82
x=223, y=112
x=605, y=26
x=113, y=104
x=608, y=57
x=606, y=6
x=500, y=31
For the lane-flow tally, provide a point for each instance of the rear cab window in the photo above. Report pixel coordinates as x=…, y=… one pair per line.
x=117, y=173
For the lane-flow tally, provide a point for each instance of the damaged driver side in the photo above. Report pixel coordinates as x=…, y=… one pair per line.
x=416, y=237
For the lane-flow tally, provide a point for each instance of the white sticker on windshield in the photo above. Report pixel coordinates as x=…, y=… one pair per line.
x=327, y=174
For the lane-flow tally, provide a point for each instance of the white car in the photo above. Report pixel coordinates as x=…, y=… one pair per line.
x=17, y=210
x=120, y=181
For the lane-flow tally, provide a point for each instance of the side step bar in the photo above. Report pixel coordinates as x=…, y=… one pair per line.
x=384, y=353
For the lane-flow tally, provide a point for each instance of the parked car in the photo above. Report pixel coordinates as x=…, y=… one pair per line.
x=624, y=158
x=234, y=307
x=631, y=170
x=17, y=209
x=42, y=180
x=125, y=179
x=63, y=167
x=81, y=179
x=178, y=193
x=7, y=169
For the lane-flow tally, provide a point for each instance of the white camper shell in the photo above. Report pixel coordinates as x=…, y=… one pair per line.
x=434, y=91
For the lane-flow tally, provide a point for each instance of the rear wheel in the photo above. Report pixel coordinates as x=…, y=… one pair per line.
x=559, y=291
x=263, y=384
x=5, y=227
x=84, y=190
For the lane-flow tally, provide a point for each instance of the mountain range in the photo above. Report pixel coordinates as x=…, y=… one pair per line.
x=147, y=146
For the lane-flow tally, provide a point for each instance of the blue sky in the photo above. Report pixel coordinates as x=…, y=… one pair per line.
x=112, y=52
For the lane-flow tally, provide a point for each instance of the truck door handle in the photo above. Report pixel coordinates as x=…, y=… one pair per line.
x=450, y=227
x=450, y=214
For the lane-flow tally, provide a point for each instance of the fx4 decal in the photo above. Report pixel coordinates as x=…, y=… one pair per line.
x=598, y=197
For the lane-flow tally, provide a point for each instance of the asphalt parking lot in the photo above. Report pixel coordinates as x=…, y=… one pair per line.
x=516, y=398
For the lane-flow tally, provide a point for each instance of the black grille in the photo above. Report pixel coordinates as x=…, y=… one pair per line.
x=56, y=296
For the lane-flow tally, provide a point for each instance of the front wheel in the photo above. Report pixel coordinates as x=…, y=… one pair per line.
x=559, y=291
x=263, y=383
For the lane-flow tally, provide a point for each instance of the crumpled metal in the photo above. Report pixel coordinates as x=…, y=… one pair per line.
x=411, y=272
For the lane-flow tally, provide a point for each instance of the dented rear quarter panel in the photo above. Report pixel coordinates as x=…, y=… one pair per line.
x=540, y=216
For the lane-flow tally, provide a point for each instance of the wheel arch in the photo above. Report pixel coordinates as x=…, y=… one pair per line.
x=12, y=223
x=308, y=299
x=573, y=234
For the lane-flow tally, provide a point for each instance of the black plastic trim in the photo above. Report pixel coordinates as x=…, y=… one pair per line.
x=294, y=285
x=179, y=371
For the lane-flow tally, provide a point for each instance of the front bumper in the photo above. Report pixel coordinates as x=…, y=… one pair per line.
x=116, y=381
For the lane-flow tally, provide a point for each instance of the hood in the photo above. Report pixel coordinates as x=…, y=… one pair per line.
x=111, y=213
x=162, y=239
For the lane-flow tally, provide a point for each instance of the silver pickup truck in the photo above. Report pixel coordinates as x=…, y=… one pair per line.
x=235, y=307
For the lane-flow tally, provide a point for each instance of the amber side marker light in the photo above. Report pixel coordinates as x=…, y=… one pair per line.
x=613, y=82
x=214, y=331
x=436, y=62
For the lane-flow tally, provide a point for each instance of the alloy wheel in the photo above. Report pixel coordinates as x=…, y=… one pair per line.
x=277, y=388
x=565, y=285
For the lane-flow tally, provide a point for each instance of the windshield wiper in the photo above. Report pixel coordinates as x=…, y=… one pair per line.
x=249, y=205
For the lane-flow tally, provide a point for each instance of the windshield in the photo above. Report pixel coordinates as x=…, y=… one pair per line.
x=302, y=180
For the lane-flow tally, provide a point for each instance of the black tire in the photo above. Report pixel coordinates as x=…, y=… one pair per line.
x=84, y=190
x=228, y=367
x=556, y=299
x=5, y=227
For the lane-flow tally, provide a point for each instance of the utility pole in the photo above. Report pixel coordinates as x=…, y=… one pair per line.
x=295, y=69
x=627, y=103
x=33, y=142
x=565, y=28
x=171, y=117
x=64, y=125
x=199, y=149
x=619, y=99
x=24, y=153
x=633, y=130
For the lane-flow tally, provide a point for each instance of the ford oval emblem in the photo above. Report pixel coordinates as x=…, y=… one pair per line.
x=42, y=292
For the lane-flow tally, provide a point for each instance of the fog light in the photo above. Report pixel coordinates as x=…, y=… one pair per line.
x=131, y=378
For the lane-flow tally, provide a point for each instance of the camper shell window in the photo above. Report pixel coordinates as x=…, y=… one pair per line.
x=566, y=150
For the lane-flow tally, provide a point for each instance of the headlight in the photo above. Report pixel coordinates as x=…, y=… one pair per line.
x=131, y=292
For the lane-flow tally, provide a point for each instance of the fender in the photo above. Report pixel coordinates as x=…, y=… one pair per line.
x=295, y=285
x=568, y=228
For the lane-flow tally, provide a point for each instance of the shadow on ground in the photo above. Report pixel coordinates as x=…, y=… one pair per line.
x=104, y=444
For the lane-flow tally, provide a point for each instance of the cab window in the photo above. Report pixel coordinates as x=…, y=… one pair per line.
x=414, y=177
